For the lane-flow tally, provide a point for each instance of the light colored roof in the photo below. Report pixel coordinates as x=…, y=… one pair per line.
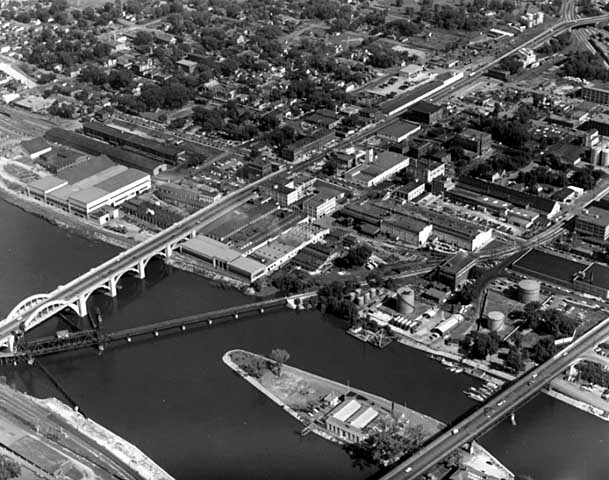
x=88, y=195
x=364, y=418
x=45, y=184
x=346, y=410
x=121, y=180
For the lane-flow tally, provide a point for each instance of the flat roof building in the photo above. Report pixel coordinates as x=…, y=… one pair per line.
x=399, y=131
x=223, y=257
x=385, y=165
x=593, y=222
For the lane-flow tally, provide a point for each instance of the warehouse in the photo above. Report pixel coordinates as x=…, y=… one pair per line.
x=409, y=229
x=385, y=165
x=91, y=192
x=223, y=257
x=114, y=136
x=93, y=147
x=399, y=131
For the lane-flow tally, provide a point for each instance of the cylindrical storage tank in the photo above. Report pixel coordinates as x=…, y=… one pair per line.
x=495, y=320
x=360, y=300
x=528, y=291
x=595, y=153
x=352, y=296
x=405, y=300
x=367, y=297
x=373, y=292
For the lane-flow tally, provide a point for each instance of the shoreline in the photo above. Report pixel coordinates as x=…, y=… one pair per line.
x=308, y=424
x=84, y=229
x=502, y=376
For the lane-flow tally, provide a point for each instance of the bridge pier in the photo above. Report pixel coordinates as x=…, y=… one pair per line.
x=112, y=283
x=81, y=306
x=168, y=250
x=141, y=270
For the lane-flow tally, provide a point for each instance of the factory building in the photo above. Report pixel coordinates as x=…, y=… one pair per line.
x=454, y=272
x=593, y=222
x=410, y=229
x=445, y=326
x=90, y=186
x=352, y=418
x=299, y=150
x=114, y=136
x=425, y=112
x=319, y=205
x=223, y=257
x=597, y=93
x=385, y=165
x=184, y=196
x=549, y=208
x=410, y=191
x=35, y=148
x=399, y=131
x=474, y=140
x=93, y=147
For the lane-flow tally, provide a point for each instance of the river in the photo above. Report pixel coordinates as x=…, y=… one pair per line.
x=175, y=399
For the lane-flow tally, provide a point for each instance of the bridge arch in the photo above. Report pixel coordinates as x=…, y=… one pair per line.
x=104, y=286
x=27, y=304
x=47, y=310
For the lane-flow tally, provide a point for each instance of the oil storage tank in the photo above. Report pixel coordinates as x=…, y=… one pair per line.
x=495, y=320
x=528, y=291
x=405, y=300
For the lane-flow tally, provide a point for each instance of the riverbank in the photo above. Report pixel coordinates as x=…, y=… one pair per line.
x=11, y=192
x=482, y=371
x=299, y=393
x=123, y=450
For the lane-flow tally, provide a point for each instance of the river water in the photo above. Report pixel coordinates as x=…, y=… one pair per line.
x=175, y=399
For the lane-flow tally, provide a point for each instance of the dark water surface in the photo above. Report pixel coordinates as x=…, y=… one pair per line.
x=175, y=399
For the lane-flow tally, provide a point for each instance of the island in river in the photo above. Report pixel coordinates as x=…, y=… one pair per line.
x=373, y=429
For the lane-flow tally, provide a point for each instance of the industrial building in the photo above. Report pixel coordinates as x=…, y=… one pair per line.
x=114, y=136
x=593, y=280
x=299, y=150
x=410, y=191
x=466, y=235
x=223, y=257
x=402, y=102
x=184, y=196
x=35, y=148
x=445, y=326
x=474, y=140
x=286, y=191
x=427, y=170
x=319, y=205
x=425, y=112
x=352, y=418
x=454, y=272
x=385, y=165
x=494, y=206
x=593, y=223
x=408, y=228
x=399, y=131
x=90, y=186
x=93, y=147
x=548, y=207
x=597, y=93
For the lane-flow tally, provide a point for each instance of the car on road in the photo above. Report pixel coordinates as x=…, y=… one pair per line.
x=502, y=402
x=407, y=469
x=454, y=431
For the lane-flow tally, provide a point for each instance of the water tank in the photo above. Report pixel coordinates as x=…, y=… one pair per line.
x=373, y=292
x=528, y=291
x=367, y=297
x=495, y=320
x=360, y=300
x=405, y=300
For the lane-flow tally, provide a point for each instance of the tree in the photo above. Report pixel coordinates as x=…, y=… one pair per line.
x=356, y=256
x=543, y=349
x=279, y=356
x=9, y=468
x=514, y=361
x=479, y=345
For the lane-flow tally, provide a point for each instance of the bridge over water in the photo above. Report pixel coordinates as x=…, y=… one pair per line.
x=37, y=308
x=28, y=350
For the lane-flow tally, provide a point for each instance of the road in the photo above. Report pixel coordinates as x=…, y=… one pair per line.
x=123, y=260
x=496, y=408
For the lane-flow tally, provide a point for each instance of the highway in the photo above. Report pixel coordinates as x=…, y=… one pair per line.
x=127, y=258
x=512, y=397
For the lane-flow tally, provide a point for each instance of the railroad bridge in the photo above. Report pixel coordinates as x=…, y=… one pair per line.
x=35, y=309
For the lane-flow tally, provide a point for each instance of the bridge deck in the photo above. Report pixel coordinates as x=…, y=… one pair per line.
x=89, y=338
